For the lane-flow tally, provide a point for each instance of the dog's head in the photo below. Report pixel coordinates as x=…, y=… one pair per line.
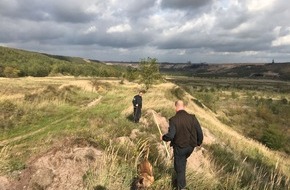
x=144, y=181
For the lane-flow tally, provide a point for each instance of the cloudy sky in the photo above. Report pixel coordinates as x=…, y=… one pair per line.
x=212, y=31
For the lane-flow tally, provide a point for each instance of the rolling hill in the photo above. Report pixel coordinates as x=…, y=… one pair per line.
x=276, y=71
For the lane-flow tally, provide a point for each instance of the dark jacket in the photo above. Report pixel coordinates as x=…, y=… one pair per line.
x=137, y=100
x=184, y=130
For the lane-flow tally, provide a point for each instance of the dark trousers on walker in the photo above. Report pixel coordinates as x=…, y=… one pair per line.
x=137, y=114
x=180, y=159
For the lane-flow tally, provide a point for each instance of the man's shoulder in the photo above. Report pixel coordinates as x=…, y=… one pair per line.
x=172, y=118
x=191, y=114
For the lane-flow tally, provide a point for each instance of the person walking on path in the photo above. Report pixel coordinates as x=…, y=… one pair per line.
x=185, y=134
x=137, y=105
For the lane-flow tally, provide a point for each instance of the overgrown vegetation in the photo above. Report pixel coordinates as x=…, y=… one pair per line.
x=146, y=73
x=261, y=114
x=271, y=71
x=19, y=63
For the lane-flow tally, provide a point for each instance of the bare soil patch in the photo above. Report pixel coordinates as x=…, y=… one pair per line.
x=62, y=167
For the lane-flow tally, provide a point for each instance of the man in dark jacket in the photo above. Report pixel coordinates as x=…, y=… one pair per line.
x=185, y=134
x=137, y=104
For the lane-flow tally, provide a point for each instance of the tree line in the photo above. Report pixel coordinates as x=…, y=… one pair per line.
x=19, y=63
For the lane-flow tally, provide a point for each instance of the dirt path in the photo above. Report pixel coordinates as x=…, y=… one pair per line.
x=20, y=137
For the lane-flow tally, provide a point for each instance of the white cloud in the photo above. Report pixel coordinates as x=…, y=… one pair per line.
x=282, y=36
x=119, y=28
x=282, y=41
x=91, y=29
x=260, y=5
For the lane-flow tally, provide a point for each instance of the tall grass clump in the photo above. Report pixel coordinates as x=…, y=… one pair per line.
x=237, y=171
x=119, y=170
x=10, y=114
x=4, y=156
x=178, y=93
x=110, y=172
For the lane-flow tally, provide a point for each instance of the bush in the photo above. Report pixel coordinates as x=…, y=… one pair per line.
x=9, y=114
x=11, y=72
x=132, y=74
x=198, y=103
x=178, y=93
x=149, y=71
x=273, y=138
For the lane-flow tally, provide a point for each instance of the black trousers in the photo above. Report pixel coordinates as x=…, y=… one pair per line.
x=180, y=158
x=137, y=114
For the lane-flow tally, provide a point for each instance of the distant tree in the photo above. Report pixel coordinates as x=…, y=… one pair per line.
x=131, y=73
x=11, y=72
x=149, y=71
x=1, y=71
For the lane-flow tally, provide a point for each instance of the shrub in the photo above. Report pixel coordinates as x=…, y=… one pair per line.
x=178, y=93
x=9, y=114
x=198, y=103
x=132, y=73
x=11, y=72
x=273, y=138
x=149, y=71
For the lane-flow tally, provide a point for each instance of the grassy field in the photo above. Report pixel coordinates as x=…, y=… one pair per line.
x=43, y=117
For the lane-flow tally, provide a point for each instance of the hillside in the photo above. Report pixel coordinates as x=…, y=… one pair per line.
x=272, y=71
x=276, y=71
x=77, y=133
x=20, y=63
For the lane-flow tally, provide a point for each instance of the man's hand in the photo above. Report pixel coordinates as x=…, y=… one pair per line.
x=161, y=138
x=197, y=148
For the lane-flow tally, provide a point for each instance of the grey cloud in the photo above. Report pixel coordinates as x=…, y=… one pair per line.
x=230, y=19
x=184, y=4
x=59, y=11
x=137, y=7
x=167, y=29
x=25, y=31
x=218, y=41
x=114, y=40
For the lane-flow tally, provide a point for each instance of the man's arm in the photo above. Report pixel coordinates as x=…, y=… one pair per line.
x=134, y=102
x=139, y=101
x=171, y=133
x=199, y=132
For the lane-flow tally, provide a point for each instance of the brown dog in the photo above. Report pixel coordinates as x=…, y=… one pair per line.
x=145, y=173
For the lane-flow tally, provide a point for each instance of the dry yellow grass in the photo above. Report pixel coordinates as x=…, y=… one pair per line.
x=154, y=99
x=236, y=141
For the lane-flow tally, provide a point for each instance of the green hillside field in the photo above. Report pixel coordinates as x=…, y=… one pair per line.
x=77, y=133
x=21, y=63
